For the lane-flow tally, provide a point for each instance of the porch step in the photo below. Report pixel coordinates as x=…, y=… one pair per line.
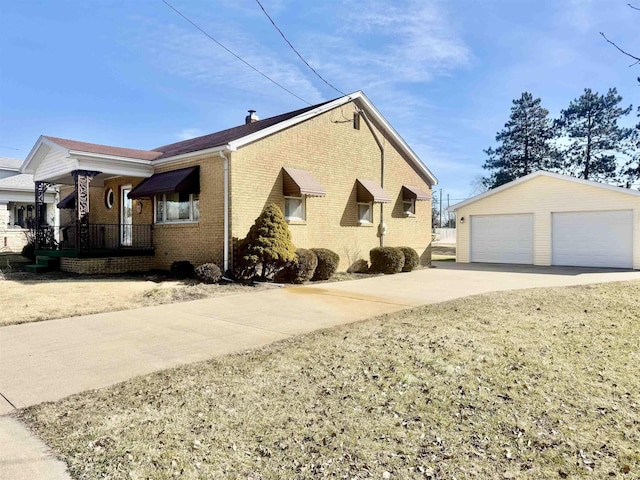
x=44, y=264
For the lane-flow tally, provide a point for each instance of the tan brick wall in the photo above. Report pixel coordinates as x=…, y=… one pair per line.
x=93, y=266
x=196, y=242
x=336, y=154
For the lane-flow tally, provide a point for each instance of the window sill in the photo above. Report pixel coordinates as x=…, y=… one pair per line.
x=295, y=221
x=409, y=215
x=177, y=224
x=365, y=224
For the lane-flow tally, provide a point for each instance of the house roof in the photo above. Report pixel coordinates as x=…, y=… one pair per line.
x=104, y=149
x=10, y=163
x=542, y=173
x=22, y=182
x=229, y=135
x=233, y=138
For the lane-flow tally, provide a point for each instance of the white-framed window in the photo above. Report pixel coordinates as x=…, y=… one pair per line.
x=177, y=207
x=294, y=209
x=409, y=206
x=365, y=213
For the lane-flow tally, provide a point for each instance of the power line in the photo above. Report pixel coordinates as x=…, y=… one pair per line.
x=232, y=53
x=294, y=49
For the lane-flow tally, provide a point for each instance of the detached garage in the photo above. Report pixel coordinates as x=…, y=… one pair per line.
x=551, y=219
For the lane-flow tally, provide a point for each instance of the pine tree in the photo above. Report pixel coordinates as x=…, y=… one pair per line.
x=268, y=242
x=595, y=140
x=632, y=167
x=526, y=143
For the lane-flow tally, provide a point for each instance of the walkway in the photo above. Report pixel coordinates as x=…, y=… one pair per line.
x=47, y=361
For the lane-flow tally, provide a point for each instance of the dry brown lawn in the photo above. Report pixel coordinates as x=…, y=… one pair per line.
x=533, y=384
x=26, y=297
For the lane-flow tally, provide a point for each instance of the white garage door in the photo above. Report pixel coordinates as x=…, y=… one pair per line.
x=502, y=238
x=593, y=239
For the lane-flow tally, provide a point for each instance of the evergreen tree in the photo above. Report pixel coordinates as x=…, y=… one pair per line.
x=595, y=140
x=268, y=242
x=526, y=143
x=632, y=167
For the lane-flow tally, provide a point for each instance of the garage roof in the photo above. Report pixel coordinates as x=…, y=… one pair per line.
x=542, y=173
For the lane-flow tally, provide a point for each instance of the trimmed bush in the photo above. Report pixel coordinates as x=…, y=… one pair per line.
x=299, y=270
x=268, y=244
x=386, y=260
x=328, y=262
x=359, y=266
x=182, y=269
x=411, y=259
x=208, y=273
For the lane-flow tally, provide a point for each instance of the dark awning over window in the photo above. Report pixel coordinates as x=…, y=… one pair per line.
x=414, y=193
x=184, y=180
x=68, y=202
x=370, y=191
x=297, y=182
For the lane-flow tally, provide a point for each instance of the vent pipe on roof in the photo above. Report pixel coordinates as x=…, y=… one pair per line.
x=252, y=117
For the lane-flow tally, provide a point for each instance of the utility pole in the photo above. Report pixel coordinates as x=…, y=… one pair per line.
x=440, y=208
x=448, y=214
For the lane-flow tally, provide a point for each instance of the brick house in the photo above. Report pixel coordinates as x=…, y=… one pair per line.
x=342, y=175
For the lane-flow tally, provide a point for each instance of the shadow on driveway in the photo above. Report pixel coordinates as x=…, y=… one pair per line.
x=532, y=269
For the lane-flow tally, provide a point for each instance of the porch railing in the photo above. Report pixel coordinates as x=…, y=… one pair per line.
x=98, y=237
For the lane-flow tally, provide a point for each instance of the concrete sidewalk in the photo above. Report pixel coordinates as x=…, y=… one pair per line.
x=47, y=361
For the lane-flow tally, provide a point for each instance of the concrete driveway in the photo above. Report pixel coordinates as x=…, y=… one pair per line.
x=50, y=360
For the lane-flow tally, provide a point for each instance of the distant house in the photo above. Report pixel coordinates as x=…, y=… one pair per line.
x=342, y=175
x=549, y=219
x=17, y=205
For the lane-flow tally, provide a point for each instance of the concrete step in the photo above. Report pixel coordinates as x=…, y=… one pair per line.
x=37, y=268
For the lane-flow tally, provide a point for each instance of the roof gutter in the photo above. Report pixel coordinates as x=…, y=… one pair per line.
x=382, y=228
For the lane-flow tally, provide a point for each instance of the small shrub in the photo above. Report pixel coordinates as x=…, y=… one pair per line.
x=299, y=270
x=208, y=273
x=386, y=260
x=411, y=259
x=182, y=269
x=359, y=266
x=29, y=251
x=328, y=262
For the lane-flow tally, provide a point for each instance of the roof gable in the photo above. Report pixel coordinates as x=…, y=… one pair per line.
x=77, y=146
x=542, y=173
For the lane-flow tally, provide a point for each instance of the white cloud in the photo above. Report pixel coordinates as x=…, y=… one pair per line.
x=189, y=133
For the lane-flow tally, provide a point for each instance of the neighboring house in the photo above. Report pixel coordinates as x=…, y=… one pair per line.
x=550, y=219
x=338, y=170
x=17, y=206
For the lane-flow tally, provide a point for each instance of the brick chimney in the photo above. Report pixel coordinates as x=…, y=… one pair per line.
x=252, y=117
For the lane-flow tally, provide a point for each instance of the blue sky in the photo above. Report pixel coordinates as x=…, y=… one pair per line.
x=134, y=74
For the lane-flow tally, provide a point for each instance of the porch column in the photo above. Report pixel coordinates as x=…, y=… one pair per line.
x=82, y=178
x=41, y=214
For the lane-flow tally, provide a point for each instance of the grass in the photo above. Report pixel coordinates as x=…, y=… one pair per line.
x=27, y=297
x=528, y=384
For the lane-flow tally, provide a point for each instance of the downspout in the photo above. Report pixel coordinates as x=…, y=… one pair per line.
x=226, y=212
x=382, y=228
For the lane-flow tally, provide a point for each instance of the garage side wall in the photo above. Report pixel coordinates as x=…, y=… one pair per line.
x=542, y=196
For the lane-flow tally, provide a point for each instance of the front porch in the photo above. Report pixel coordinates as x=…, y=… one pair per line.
x=101, y=229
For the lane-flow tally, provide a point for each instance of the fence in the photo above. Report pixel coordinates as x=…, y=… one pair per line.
x=445, y=235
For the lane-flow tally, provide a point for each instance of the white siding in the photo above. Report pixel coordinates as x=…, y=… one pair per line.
x=55, y=164
x=542, y=196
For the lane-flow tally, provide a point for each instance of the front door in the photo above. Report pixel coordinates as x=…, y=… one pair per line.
x=126, y=217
